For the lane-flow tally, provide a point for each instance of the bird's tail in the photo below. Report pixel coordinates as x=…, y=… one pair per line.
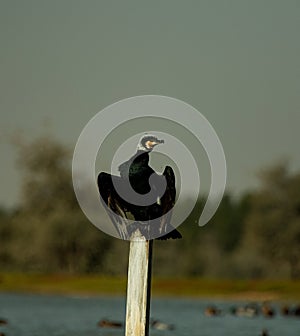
x=171, y=235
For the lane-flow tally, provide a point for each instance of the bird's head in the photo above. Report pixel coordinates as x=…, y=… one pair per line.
x=148, y=142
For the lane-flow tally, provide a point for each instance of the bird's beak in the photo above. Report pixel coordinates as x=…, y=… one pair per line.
x=157, y=142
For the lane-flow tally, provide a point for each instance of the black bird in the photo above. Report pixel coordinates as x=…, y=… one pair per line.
x=140, y=198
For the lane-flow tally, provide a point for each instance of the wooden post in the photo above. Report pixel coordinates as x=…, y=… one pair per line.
x=139, y=286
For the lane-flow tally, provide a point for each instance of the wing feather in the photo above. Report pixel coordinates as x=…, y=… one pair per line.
x=167, y=203
x=115, y=206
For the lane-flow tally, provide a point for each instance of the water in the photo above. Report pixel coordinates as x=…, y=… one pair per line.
x=42, y=315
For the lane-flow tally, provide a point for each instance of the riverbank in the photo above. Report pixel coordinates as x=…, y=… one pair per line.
x=257, y=290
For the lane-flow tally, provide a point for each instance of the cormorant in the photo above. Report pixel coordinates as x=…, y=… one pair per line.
x=142, y=195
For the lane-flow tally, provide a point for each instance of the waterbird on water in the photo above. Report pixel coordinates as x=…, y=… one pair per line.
x=249, y=310
x=157, y=191
x=158, y=325
x=212, y=311
x=264, y=332
x=110, y=324
x=267, y=310
x=3, y=322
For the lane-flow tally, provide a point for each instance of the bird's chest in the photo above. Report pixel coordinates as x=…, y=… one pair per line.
x=139, y=178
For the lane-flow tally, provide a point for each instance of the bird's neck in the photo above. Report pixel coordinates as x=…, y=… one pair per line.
x=141, y=155
x=142, y=151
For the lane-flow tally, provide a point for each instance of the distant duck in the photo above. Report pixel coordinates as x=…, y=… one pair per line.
x=285, y=310
x=296, y=311
x=3, y=322
x=267, y=310
x=212, y=311
x=264, y=332
x=109, y=324
x=158, y=325
x=249, y=310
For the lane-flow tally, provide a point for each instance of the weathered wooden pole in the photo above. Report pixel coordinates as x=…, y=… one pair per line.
x=138, y=286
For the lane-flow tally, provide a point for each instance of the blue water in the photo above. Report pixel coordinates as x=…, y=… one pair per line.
x=42, y=315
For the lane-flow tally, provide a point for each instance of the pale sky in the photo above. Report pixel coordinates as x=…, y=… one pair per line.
x=237, y=62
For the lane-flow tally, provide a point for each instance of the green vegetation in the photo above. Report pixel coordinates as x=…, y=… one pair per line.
x=62, y=284
x=258, y=290
x=256, y=236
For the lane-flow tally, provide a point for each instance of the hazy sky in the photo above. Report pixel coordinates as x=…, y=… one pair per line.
x=235, y=61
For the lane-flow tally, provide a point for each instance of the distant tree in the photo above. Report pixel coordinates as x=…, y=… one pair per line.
x=273, y=223
x=6, y=233
x=227, y=225
x=51, y=232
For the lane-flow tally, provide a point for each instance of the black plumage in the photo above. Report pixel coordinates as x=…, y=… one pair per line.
x=158, y=191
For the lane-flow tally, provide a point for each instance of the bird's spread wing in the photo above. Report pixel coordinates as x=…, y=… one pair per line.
x=167, y=203
x=116, y=207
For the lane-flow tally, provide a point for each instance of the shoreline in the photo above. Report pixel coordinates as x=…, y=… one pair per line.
x=197, y=288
